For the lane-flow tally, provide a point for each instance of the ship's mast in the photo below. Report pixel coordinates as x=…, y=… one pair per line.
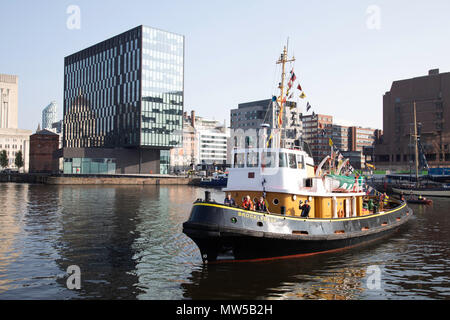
x=416, y=145
x=283, y=60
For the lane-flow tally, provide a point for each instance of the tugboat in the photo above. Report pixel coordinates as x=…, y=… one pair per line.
x=307, y=210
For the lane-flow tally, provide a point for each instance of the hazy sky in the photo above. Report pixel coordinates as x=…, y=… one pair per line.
x=348, y=52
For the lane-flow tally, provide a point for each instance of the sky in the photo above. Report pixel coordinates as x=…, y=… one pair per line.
x=347, y=53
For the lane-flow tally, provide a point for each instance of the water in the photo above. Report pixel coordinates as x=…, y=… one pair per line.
x=128, y=243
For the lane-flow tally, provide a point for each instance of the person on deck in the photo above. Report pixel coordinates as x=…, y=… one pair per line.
x=248, y=204
x=305, y=209
x=229, y=201
x=261, y=205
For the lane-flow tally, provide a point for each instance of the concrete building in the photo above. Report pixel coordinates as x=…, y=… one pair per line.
x=49, y=115
x=123, y=103
x=351, y=141
x=44, y=145
x=204, y=143
x=341, y=136
x=9, y=101
x=251, y=115
x=431, y=94
x=317, y=131
x=12, y=139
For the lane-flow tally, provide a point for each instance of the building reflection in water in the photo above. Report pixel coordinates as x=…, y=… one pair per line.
x=11, y=228
x=99, y=229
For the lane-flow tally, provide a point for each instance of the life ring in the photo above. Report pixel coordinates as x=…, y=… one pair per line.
x=341, y=213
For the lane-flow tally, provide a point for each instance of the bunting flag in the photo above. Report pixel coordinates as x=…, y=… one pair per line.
x=293, y=77
x=299, y=87
x=330, y=142
x=308, y=106
x=268, y=140
x=370, y=165
x=303, y=95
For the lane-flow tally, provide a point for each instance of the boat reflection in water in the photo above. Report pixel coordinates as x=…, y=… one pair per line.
x=314, y=277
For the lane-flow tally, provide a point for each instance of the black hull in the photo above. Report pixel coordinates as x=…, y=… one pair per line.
x=223, y=233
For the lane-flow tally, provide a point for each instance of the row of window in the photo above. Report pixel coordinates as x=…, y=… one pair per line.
x=268, y=159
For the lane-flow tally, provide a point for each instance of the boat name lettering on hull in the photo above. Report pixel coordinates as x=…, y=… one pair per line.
x=255, y=216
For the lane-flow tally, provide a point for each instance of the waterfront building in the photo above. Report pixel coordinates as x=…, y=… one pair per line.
x=349, y=140
x=123, y=102
x=49, y=115
x=12, y=139
x=251, y=115
x=317, y=131
x=341, y=136
x=9, y=101
x=431, y=94
x=44, y=145
x=204, y=143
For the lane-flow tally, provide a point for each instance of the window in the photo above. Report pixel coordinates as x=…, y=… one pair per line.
x=239, y=160
x=252, y=159
x=268, y=159
x=292, y=161
x=282, y=160
x=300, y=161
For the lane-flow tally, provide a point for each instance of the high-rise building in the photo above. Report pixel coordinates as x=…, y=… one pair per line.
x=317, y=131
x=9, y=88
x=123, y=102
x=49, y=115
x=341, y=136
x=431, y=95
x=251, y=115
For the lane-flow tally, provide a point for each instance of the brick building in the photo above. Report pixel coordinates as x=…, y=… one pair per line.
x=431, y=95
x=44, y=145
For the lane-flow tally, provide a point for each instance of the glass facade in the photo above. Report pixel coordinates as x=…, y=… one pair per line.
x=162, y=88
x=126, y=91
x=89, y=166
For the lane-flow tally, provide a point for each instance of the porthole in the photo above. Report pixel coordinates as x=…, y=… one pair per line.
x=233, y=220
x=294, y=197
x=275, y=201
x=259, y=224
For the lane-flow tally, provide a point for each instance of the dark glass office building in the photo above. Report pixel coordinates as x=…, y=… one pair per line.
x=123, y=103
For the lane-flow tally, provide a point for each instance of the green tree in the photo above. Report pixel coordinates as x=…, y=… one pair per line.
x=3, y=159
x=19, y=160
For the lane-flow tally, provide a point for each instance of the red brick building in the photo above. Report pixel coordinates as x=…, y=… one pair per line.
x=43, y=145
x=431, y=94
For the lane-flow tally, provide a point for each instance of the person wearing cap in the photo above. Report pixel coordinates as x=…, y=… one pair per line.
x=305, y=209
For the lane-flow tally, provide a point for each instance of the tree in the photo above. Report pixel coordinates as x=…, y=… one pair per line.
x=19, y=160
x=3, y=159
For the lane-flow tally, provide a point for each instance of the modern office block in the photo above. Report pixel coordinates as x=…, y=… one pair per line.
x=123, y=100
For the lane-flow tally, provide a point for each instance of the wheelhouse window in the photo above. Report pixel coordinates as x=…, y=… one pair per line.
x=239, y=160
x=268, y=159
x=292, y=161
x=300, y=161
x=282, y=160
x=252, y=159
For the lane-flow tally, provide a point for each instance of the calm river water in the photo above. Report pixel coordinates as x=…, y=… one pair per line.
x=128, y=244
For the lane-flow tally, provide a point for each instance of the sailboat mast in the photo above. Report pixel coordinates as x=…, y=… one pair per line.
x=416, y=145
